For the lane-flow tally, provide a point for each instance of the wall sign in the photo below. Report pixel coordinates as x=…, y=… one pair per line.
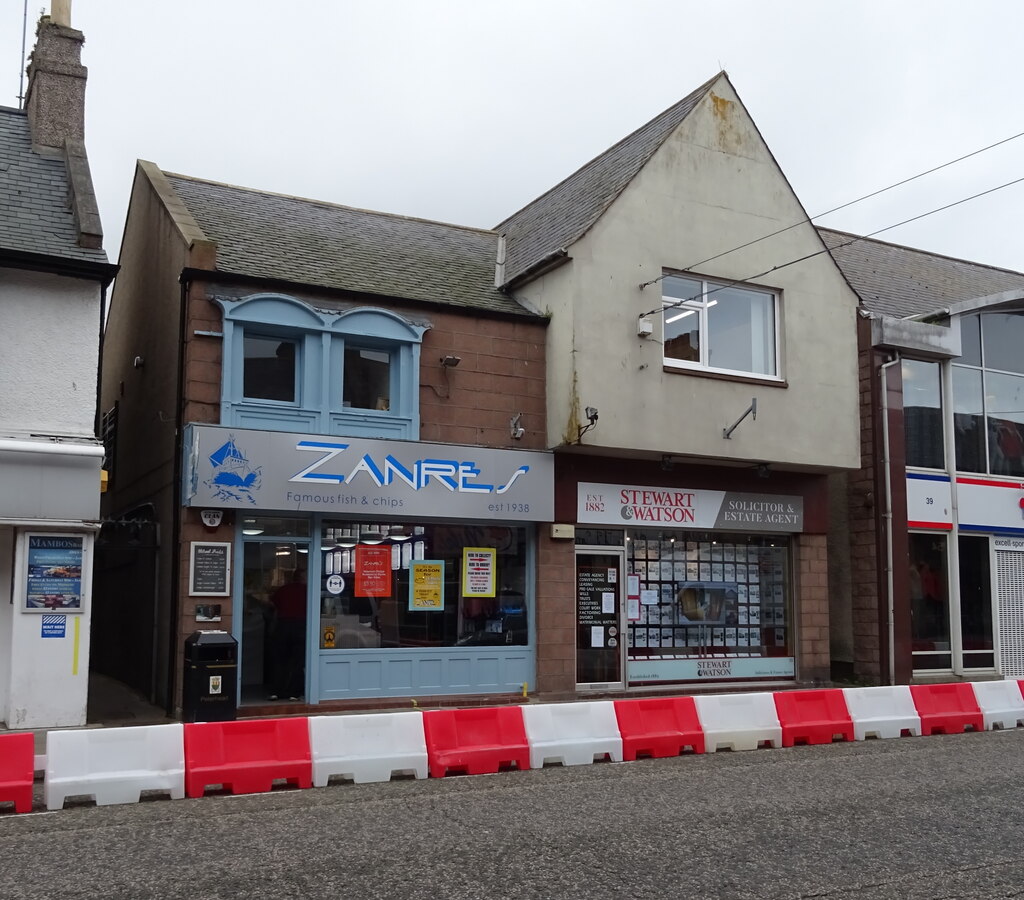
x=243, y=469
x=709, y=669
x=623, y=504
x=54, y=573
x=53, y=626
x=426, y=585
x=209, y=569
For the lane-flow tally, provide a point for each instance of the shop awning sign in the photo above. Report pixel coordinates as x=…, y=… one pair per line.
x=640, y=506
x=271, y=470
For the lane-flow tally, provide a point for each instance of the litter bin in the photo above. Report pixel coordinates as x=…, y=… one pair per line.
x=211, y=677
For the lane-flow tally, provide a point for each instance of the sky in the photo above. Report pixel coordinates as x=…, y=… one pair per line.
x=465, y=110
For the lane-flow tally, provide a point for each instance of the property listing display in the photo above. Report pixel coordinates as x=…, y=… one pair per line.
x=698, y=606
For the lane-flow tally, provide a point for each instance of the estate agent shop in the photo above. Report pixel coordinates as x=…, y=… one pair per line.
x=415, y=560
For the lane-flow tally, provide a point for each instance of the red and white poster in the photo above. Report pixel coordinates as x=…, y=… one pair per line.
x=478, y=571
x=373, y=571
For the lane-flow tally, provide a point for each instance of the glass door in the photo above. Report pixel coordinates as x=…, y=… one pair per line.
x=599, y=637
x=273, y=634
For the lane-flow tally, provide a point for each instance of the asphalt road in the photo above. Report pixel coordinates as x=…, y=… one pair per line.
x=916, y=817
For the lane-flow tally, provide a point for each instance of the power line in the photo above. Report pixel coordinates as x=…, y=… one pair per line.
x=855, y=239
x=842, y=206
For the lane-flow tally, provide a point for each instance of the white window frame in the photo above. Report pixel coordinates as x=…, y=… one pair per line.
x=700, y=307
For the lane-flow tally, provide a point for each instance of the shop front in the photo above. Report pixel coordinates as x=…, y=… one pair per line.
x=368, y=568
x=684, y=585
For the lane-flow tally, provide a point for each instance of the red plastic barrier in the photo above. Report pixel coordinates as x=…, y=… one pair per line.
x=947, y=708
x=1020, y=686
x=813, y=717
x=17, y=761
x=475, y=741
x=247, y=757
x=658, y=727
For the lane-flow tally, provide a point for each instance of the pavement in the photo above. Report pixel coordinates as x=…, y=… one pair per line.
x=914, y=818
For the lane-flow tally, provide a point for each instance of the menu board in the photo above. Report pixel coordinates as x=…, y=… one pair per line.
x=210, y=569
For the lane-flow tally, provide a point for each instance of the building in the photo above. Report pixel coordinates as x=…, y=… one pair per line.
x=701, y=392
x=53, y=278
x=939, y=592
x=610, y=422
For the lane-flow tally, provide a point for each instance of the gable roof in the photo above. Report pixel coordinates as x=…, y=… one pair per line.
x=900, y=281
x=275, y=236
x=35, y=209
x=565, y=213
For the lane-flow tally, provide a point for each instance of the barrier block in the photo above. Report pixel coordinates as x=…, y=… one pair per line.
x=739, y=721
x=573, y=734
x=247, y=757
x=475, y=741
x=114, y=765
x=368, y=747
x=658, y=727
x=16, y=770
x=882, y=712
x=1000, y=702
x=813, y=717
x=947, y=708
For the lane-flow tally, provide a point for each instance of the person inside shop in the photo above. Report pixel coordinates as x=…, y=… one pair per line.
x=288, y=638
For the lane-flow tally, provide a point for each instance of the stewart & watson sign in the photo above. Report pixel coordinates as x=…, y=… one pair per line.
x=627, y=504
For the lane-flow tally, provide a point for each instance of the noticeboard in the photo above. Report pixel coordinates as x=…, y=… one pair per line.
x=210, y=569
x=53, y=573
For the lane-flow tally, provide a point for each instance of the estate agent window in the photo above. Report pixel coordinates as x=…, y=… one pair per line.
x=720, y=328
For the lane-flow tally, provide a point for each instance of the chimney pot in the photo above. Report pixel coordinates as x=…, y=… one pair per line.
x=60, y=12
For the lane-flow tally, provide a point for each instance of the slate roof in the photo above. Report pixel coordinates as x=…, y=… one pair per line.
x=311, y=242
x=900, y=281
x=565, y=213
x=35, y=215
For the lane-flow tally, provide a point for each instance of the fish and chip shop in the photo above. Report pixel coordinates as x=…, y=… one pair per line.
x=360, y=568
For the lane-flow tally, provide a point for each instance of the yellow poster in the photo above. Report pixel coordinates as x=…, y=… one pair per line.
x=478, y=571
x=426, y=585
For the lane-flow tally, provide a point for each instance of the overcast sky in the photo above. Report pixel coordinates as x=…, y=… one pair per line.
x=465, y=110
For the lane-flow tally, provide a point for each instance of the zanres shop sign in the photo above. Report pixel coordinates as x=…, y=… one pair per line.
x=618, y=504
x=676, y=507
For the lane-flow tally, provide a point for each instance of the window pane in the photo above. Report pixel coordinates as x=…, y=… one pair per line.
x=922, y=414
x=364, y=600
x=367, y=379
x=1003, y=336
x=929, y=598
x=1004, y=404
x=970, y=340
x=682, y=323
x=967, y=420
x=741, y=331
x=268, y=369
x=675, y=288
x=975, y=596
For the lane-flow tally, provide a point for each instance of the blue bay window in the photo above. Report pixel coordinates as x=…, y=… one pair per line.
x=289, y=367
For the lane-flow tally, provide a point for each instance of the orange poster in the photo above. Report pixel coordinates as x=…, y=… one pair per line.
x=373, y=571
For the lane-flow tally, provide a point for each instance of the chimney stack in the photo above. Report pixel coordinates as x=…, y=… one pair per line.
x=56, y=81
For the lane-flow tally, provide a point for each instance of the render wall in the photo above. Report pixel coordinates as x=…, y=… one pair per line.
x=712, y=186
x=49, y=331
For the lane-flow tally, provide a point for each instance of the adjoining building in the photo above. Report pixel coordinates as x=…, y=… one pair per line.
x=53, y=278
x=936, y=515
x=587, y=450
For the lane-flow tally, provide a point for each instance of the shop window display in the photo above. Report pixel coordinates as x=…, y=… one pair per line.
x=420, y=586
x=704, y=595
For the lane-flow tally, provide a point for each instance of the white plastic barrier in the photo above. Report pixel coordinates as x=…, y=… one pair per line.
x=114, y=765
x=882, y=712
x=738, y=721
x=368, y=747
x=573, y=734
x=1000, y=702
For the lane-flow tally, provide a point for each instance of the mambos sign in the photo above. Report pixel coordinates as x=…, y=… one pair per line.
x=617, y=504
x=272, y=470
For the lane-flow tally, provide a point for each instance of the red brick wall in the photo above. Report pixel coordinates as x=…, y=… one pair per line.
x=811, y=598
x=556, y=613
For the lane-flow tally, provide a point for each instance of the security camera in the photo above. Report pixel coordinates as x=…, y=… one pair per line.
x=518, y=433
x=591, y=412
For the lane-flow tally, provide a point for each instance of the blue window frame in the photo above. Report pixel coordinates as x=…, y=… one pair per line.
x=289, y=367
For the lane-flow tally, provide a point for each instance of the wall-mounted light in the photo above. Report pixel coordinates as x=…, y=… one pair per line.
x=450, y=361
x=515, y=429
x=591, y=413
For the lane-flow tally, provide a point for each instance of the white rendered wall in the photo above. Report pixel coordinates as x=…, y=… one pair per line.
x=49, y=677
x=49, y=352
x=6, y=615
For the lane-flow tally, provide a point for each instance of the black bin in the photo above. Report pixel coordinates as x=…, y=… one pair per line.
x=211, y=677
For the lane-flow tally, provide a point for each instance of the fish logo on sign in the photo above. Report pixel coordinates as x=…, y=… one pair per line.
x=234, y=478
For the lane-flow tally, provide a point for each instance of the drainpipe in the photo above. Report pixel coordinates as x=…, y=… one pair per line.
x=887, y=516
